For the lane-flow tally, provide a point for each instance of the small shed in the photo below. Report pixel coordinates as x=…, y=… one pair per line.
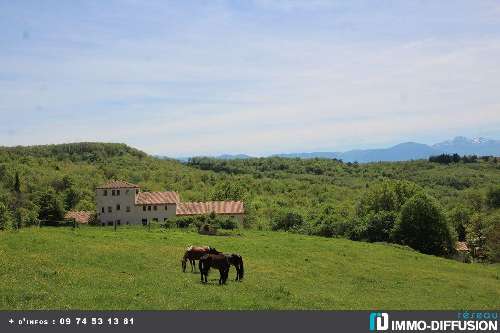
x=81, y=217
x=462, y=252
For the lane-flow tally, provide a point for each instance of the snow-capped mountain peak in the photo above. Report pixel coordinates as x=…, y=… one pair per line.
x=461, y=140
x=479, y=140
x=465, y=146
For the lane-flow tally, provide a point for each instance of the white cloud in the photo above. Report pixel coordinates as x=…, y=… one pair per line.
x=217, y=86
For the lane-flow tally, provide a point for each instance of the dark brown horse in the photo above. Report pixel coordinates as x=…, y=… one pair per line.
x=237, y=261
x=218, y=261
x=194, y=253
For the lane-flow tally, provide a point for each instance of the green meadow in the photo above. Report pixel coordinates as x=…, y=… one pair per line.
x=95, y=268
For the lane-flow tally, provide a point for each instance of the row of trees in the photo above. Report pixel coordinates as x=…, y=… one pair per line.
x=398, y=212
x=316, y=196
x=455, y=158
x=402, y=212
x=25, y=210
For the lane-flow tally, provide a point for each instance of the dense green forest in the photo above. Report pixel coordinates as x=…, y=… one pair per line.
x=403, y=202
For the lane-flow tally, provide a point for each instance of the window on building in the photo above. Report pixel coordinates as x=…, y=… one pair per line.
x=113, y=192
x=102, y=210
x=149, y=207
x=144, y=208
x=137, y=191
x=117, y=192
x=110, y=209
x=128, y=209
x=103, y=224
x=105, y=193
x=118, y=222
x=166, y=207
x=144, y=221
x=110, y=222
x=118, y=207
x=155, y=208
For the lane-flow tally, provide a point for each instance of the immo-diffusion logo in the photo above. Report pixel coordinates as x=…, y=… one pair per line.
x=379, y=321
x=465, y=321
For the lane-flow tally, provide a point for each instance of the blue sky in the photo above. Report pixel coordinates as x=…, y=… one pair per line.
x=182, y=78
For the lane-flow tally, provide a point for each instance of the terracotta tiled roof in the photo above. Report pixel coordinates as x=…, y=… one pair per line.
x=218, y=207
x=117, y=184
x=80, y=217
x=461, y=246
x=156, y=198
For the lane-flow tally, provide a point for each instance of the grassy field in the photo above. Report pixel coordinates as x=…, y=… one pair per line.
x=97, y=268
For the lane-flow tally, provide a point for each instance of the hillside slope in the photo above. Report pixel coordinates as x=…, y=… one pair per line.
x=96, y=268
x=269, y=185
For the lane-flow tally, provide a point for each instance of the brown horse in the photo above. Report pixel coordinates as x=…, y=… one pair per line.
x=219, y=261
x=194, y=253
x=237, y=261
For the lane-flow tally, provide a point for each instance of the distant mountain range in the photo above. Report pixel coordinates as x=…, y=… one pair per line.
x=400, y=152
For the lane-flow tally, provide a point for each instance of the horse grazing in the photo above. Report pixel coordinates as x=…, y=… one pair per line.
x=237, y=261
x=219, y=261
x=194, y=253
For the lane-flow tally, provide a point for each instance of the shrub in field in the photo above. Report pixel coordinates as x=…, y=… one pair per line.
x=422, y=226
x=357, y=229
x=330, y=221
x=227, y=223
x=493, y=197
x=332, y=226
x=287, y=221
x=379, y=225
x=184, y=222
x=207, y=229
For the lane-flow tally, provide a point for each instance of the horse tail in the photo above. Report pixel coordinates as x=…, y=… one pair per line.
x=203, y=265
x=242, y=270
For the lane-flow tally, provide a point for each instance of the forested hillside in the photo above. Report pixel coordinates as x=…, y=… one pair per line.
x=374, y=202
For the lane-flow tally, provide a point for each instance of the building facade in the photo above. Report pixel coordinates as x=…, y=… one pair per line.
x=123, y=203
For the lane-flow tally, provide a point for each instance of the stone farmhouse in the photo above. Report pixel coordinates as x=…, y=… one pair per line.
x=123, y=203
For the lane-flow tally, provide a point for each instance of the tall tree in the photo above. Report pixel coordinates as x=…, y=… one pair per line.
x=17, y=183
x=51, y=206
x=422, y=226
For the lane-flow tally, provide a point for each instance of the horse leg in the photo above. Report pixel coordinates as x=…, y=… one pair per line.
x=222, y=275
x=200, y=264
